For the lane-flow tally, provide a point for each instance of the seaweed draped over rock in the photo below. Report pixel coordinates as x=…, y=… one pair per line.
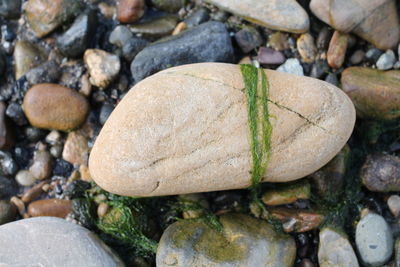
x=259, y=123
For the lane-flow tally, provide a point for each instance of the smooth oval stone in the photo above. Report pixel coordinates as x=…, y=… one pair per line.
x=374, y=240
x=244, y=241
x=335, y=249
x=282, y=15
x=52, y=106
x=373, y=20
x=50, y=207
x=186, y=130
x=375, y=93
x=52, y=242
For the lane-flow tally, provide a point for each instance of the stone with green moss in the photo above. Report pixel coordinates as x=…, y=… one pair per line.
x=244, y=241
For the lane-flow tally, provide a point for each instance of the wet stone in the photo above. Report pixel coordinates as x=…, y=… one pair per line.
x=197, y=17
x=129, y=11
x=381, y=173
x=8, y=212
x=194, y=243
x=45, y=16
x=50, y=207
x=48, y=72
x=8, y=166
x=156, y=28
x=102, y=66
x=62, y=168
x=42, y=166
x=208, y=42
x=51, y=106
x=132, y=47
x=386, y=60
x=25, y=178
x=248, y=38
x=374, y=240
x=270, y=56
x=287, y=194
x=120, y=36
x=8, y=188
x=77, y=38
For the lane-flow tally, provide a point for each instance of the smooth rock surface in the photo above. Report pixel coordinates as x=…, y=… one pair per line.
x=208, y=42
x=77, y=38
x=44, y=241
x=52, y=106
x=186, y=130
x=245, y=241
x=335, y=249
x=373, y=20
x=386, y=61
x=374, y=240
x=50, y=207
x=375, y=93
x=44, y=16
x=282, y=15
x=156, y=28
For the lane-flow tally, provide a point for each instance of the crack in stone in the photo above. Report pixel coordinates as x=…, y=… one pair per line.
x=269, y=100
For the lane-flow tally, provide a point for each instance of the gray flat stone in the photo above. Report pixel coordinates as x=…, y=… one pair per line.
x=49, y=241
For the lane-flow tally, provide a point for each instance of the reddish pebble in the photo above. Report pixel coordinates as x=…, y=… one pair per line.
x=50, y=207
x=337, y=49
x=129, y=11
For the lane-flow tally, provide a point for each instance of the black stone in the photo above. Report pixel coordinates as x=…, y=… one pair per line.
x=373, y=55
x=208, y=42
x=10, y=9
x=77, y=38
x=48, y=72
x=8, y=188
x=198, y=17
x=77, y=189
x=132, y=47
x=332, y=79
x=62, y=168
x=14, y=111
x=105, y=112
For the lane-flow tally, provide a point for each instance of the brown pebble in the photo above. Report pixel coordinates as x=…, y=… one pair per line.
x=85, y=174
x=33, y=193
x=102, y=209
x=19, y=204
x=179, y=28
x=129, y=11
x=50, y=207
x=76, y=149
x=42, y=166
x=306, y=47
x=337, y=49
x=297, y=220
x=52, y=106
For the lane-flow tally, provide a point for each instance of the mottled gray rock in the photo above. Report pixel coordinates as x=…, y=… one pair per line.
x=198, y=17
x=208, y=42
x=292, y=66
x=244, y=241
x=48, y=72
x=386, y=61
x=335, y=249
x=7, y=164
x=49, y=241
x=105, y=112
x=133, y=47
x=248, y=38
x=374, y=240
x=77, y=38
x=381, y=173
x=14, y=112
x=120, y=36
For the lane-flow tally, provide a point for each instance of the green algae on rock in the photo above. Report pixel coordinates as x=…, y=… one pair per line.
x=244, y=241
x=186, y=130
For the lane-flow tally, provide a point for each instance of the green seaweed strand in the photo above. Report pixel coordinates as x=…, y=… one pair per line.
x=259, y=123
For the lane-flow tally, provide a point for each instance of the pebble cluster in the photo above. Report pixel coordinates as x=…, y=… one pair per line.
x=65, y=66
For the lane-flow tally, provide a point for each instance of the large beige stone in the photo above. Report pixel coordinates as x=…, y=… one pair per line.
x=282, y=15
x=185, y=130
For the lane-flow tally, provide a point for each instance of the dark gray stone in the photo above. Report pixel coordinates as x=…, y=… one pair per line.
x=171, y=6
x=15, y=112
x=133, y=47
x=249, y=38
x=120, y=36
x=208, y=42
x=77, y=38
x=373, y=55
x=10, y=9
x=332, y=79
x=105, y=112
x=8, y=211
x=48, y=72
x=319, y=69
x=198, y=17
x=8, y=187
